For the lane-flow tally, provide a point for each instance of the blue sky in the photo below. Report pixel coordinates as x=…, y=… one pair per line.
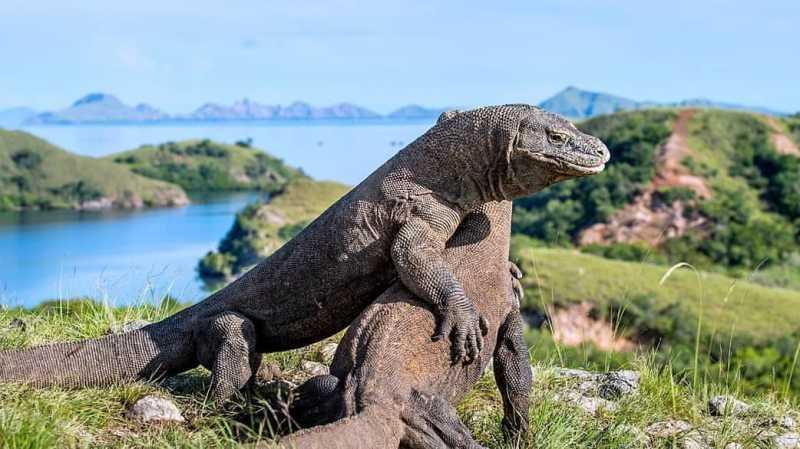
x=179, y=54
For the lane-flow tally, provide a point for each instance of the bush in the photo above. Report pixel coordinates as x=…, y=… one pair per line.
x=739, y=235
x=215, y=265
x=26, y=159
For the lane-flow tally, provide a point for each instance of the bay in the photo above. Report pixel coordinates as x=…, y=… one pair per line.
x=125, y=257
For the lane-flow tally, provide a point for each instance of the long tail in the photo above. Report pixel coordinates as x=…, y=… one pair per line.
x=146, y=353
x=374, y=427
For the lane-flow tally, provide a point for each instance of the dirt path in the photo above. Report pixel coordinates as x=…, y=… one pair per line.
x=646, y=219
x=670, y=171
x=782, y=143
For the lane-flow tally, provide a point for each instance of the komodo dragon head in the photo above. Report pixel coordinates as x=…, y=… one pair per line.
x=528, y=148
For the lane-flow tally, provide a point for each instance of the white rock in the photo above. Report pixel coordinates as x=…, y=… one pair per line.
x=787, y=441
x=588, y=404
x=722, y=405
x=694, y=440
x=733, y=445
x=314, y=368
x=574, y=373
x=155, y=409
x=787, y=422
x=664, y=429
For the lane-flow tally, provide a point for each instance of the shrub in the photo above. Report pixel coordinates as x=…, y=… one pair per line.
x=26, y=159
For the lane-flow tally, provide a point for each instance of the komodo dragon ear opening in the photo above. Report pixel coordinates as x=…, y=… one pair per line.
x=447, y=115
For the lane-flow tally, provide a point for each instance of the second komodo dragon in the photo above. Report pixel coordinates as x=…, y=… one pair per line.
x=394, y=224
x=391, y=387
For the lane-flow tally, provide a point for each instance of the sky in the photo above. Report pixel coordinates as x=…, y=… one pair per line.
x=177, y=55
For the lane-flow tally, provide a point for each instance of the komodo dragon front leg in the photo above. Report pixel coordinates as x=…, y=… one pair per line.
x=418, y=255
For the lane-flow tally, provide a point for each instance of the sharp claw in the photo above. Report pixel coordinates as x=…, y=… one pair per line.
x=484, y=325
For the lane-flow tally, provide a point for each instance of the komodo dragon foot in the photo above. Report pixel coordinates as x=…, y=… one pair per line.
x=226, y=346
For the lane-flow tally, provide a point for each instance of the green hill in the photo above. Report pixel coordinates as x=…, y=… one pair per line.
x=719, y=189
x=37, y=175
x=202, y=165
x=260, y=229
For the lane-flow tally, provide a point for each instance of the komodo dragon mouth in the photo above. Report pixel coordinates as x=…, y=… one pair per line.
x=572, y=168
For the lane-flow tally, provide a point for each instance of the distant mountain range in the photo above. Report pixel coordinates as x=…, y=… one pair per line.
x=97, y=108
x=104, y=108
x=579, y=104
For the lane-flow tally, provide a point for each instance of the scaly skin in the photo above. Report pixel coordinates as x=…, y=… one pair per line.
x=391, y=387
x=395, y=224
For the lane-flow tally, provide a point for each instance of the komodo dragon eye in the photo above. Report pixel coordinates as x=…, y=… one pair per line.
x=557, y=138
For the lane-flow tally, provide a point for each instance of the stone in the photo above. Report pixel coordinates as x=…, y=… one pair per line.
x=787, y=422
x=18, y=324
x=787, y=441
x=590, y=405
x=694, y=440
x=127, y=326
x=328, y=351
x=314, y=368
x=574, y=374
x=666, y=429
x=734, y=445
x=268, y=372
x=155, y=409
x=722, y=405
x=617, y=384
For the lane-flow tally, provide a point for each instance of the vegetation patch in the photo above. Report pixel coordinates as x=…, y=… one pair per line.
x=259, y=229
x=209, y=166
x=37, y=175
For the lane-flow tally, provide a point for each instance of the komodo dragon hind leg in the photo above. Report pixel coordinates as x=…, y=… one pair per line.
x=432, y=423
x=226, y=345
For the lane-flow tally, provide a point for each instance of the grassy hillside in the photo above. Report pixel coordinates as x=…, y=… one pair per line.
x=260, y=229
x=202, y=165
x=718, y=189
x=37, y=175
x=739, y=328
x=40, y=418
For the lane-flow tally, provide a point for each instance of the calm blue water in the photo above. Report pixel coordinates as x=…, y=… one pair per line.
x=125, y=257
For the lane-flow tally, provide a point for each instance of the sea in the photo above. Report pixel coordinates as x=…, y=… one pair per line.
x=131, y=257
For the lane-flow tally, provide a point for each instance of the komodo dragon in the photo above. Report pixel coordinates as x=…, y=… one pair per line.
x=394, y=224
x=391, y=387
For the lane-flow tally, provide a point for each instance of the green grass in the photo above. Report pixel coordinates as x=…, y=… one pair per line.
x=564, y=276
x=37, y=175
x=202, y=165
x=95, y=417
